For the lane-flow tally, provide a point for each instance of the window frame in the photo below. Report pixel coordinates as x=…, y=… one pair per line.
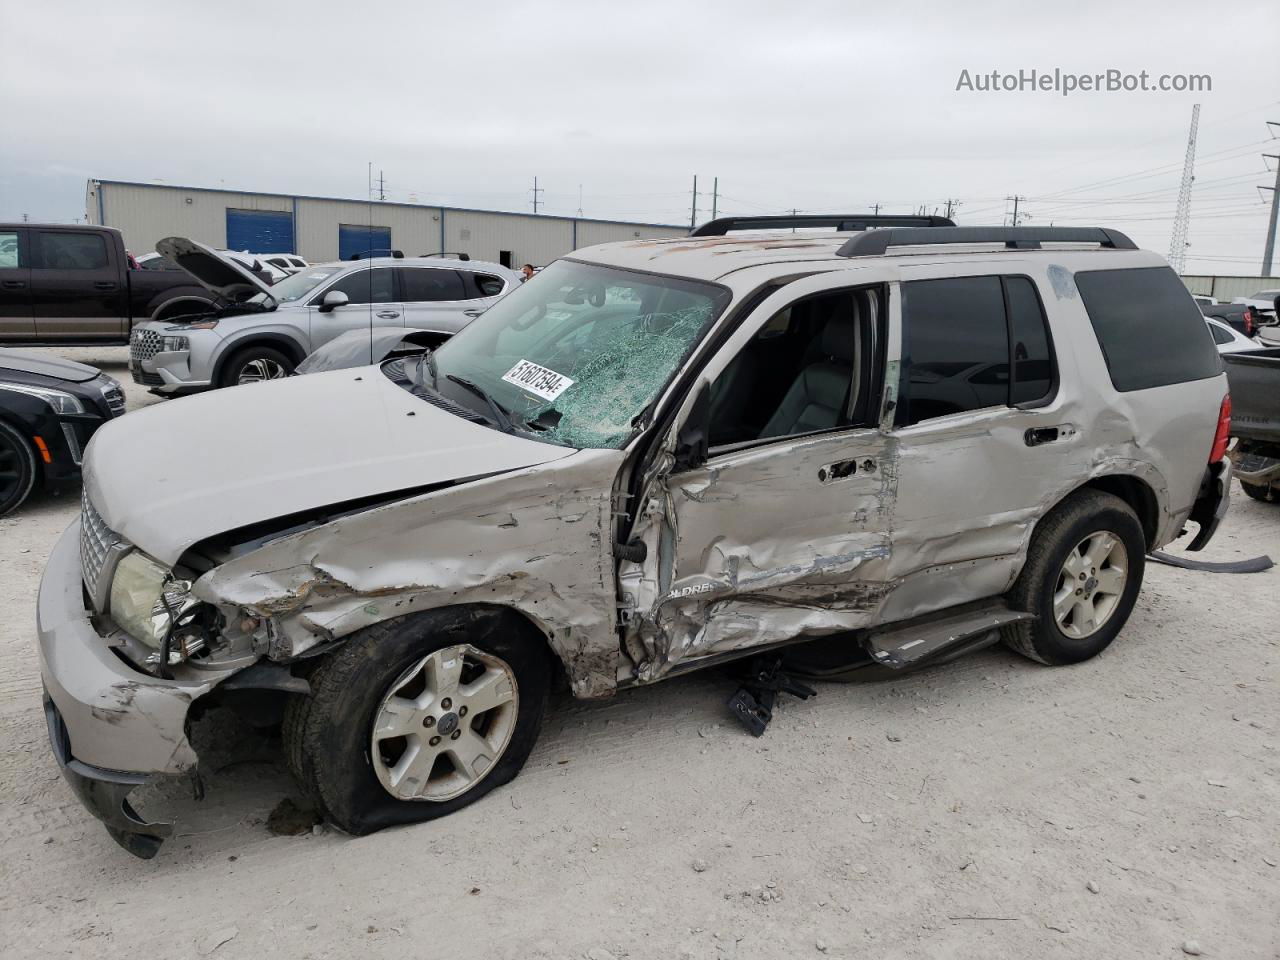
x=403, y=291
x=1052, y=393
x=36, y=251
x=871, y=381
x=317, y=298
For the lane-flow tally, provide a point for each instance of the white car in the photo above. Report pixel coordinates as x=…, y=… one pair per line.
x=1228, y=339
x=288, y=263
x=263, y=332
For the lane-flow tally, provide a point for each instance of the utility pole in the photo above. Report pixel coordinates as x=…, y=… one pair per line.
x=369, y=192
x=1269, y=251
x=715, y=196
x=1182, y=213
x=952, y=207
x=382, y=186
x=1016, y=200
x=579, y=199
x=536, y=191
x=875, y=208
x=693, y=209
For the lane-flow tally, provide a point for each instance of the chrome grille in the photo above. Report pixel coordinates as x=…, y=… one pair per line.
x=114, y=396
x=100, y=548
x=144, y=344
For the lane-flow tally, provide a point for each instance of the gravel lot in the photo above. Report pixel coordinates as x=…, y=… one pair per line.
x=988, y=808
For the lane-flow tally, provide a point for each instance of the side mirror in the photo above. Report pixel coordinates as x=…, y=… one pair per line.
x=334, y=298
x=692, y=440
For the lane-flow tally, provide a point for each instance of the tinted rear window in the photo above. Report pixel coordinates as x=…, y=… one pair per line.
x=1150, y=330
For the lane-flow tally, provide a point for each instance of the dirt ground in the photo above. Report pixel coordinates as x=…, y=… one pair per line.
x=987, y=808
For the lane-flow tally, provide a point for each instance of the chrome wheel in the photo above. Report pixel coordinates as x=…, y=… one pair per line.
x=1090, y=584
x=264, y=368
x=444, y=724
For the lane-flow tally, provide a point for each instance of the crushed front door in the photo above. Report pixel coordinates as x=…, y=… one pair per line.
x=764, y=543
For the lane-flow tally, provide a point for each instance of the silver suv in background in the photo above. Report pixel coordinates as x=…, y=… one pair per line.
x=657, y=456
x=261, y=331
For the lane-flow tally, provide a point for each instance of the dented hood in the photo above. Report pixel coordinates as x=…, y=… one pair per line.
x=173, y=474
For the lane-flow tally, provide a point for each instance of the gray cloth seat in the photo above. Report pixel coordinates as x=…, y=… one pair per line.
x=819, y=396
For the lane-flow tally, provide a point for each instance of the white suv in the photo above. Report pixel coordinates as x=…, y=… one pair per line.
x=262, y=332
x=656, y=456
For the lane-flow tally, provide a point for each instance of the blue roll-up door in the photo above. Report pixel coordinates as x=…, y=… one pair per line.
x=260, y=231
x=354, y=239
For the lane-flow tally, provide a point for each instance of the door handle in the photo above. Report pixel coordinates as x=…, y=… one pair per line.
x=12, y=284
x=844, y=469
x=387, y=314
x=1038, y=436
x=472, y=313
x=104, y=285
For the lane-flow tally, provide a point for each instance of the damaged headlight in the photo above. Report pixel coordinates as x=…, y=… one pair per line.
x=147, y=602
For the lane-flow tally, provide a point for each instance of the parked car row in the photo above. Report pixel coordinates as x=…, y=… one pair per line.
x=652, y=458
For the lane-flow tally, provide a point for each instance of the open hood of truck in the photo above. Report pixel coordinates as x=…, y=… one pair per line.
x=171, y=475
x=217, y=272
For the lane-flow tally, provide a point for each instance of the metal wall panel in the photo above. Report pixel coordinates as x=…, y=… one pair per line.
x=536, y=240
x=591, y=232
x=415, y=230
x=1226, y=288
x=146, y=213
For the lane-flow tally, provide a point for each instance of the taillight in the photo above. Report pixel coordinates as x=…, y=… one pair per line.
x=1224, y=431
x=1249, y=323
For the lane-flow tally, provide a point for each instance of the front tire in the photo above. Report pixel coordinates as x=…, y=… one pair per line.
x=1082, y=576
x=255, y=365
x=419, y=716
x=17, y=468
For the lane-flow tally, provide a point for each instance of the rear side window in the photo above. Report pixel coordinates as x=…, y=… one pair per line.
x=955, y=348
x=486, y=285
x=1220, y=334
x=71, y=251
x=1149, y=328
x=427, y=284
x=1029, y=342
x=8, y=249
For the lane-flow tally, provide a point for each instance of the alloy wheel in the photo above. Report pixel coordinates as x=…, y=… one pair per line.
x=264, y=368
x=444, y=724
x=1090, y=584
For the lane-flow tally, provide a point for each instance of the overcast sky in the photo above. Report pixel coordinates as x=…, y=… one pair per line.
x=825, y=107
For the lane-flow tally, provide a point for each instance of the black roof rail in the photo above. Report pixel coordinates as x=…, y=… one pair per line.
x=874, y=243
x=845, y=222
x=448, y=253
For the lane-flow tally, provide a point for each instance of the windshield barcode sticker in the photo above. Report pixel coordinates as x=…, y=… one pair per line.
x=537, y=380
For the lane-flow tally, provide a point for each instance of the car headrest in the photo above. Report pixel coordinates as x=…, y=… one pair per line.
x=838, y=340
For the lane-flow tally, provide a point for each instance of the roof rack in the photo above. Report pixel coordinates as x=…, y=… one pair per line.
x=448, y=253
x=843, y=222
x=875, y=243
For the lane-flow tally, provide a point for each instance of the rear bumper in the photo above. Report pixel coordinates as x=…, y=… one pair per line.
x=1212, y=503
x=111, y=727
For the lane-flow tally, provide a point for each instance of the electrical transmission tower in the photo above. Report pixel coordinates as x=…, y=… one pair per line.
x=1182, y=217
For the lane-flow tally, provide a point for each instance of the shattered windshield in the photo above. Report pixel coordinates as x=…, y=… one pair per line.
x=576, y=354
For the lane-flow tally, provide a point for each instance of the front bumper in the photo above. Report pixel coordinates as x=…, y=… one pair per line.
x=168, y=372
x=112, y=727
x=1211, y=503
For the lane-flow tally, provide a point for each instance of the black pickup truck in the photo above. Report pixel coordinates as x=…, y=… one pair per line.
x=73, y=285
x=1254, y=378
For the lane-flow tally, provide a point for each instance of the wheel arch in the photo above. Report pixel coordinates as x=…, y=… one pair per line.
x=1134, y=491
x=281, y=341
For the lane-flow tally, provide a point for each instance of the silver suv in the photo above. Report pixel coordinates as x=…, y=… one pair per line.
x=261, y=332
x=654, y=456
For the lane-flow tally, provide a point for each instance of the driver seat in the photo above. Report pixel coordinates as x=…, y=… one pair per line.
x=819, y=396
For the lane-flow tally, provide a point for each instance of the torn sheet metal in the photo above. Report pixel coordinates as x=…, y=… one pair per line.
x=537, y=541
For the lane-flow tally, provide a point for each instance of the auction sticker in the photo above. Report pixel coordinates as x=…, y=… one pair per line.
x=537, y=380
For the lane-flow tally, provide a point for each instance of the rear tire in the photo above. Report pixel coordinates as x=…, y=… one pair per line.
x=17, y=468
x=254, y=365
x=1078, y=613
x=1259, y=491
x=330, y=737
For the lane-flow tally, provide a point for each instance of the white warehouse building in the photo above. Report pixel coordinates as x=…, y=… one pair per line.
x=324, y=228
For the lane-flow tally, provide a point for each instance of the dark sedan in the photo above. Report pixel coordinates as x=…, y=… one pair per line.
x=49, y=408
